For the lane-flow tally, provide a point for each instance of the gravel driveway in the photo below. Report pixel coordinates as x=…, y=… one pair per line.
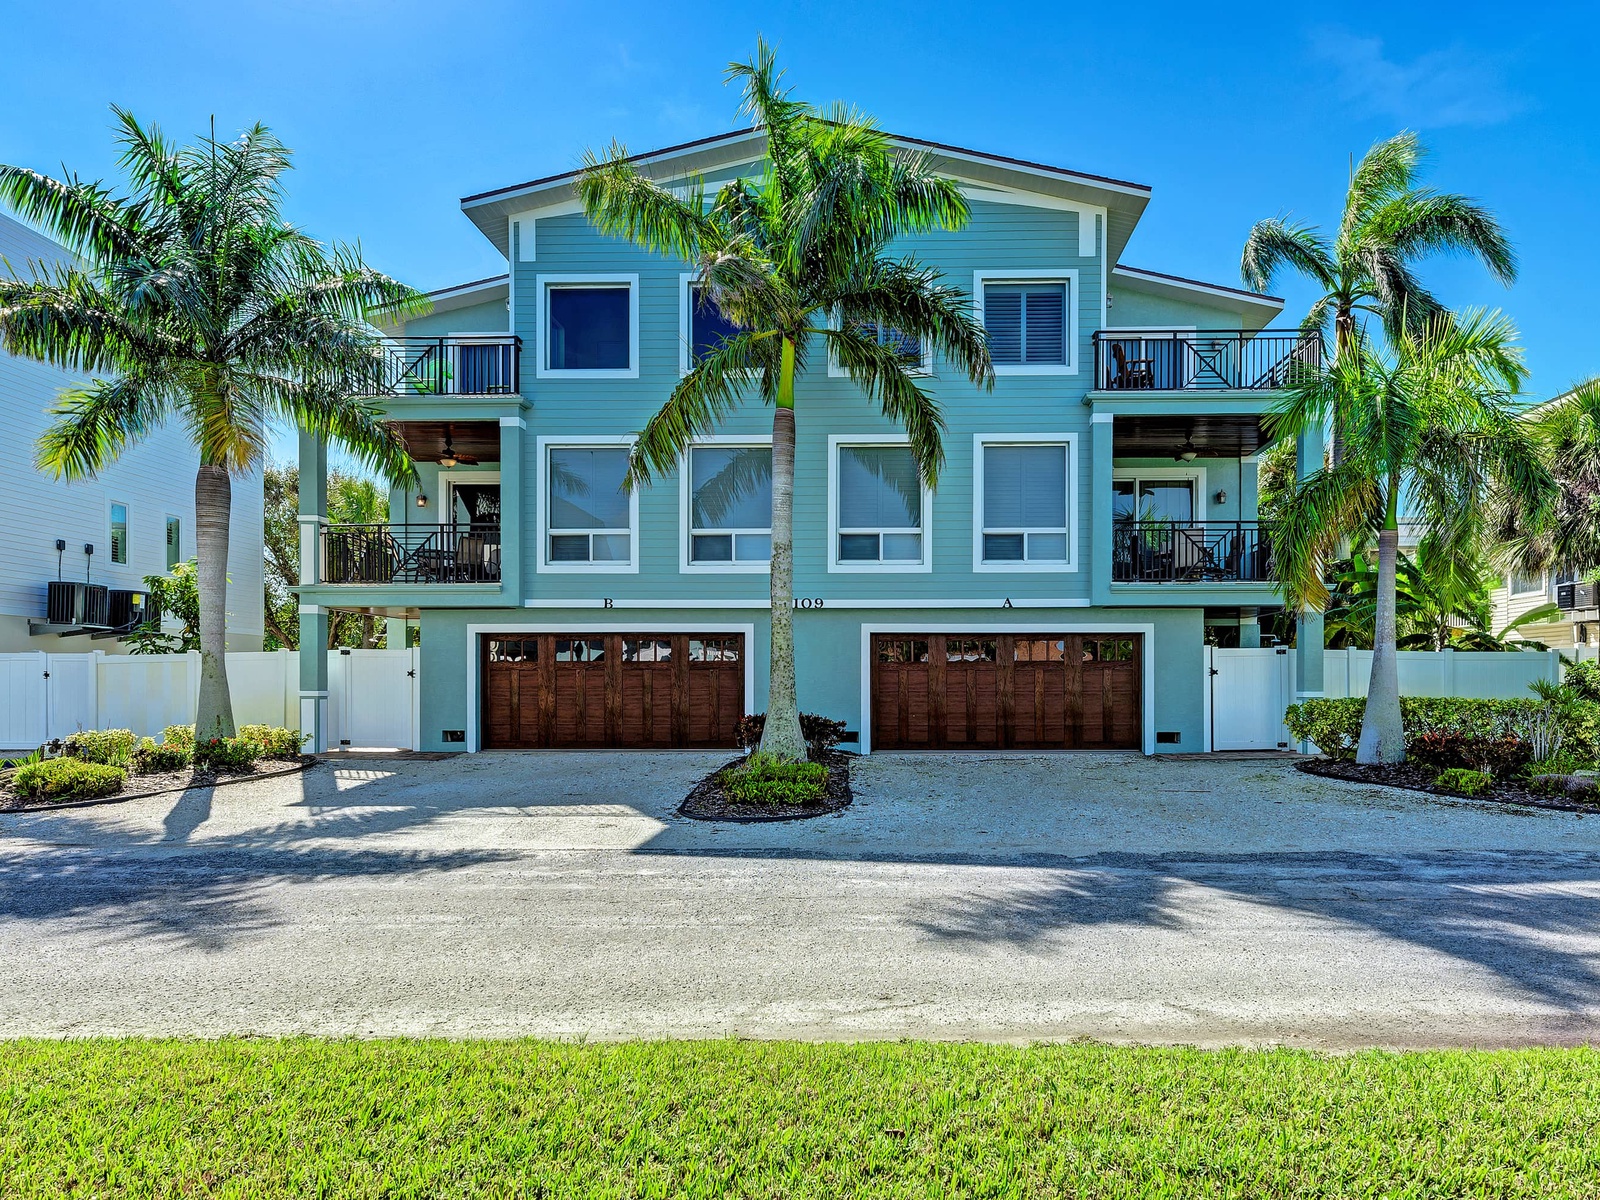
x=1110, y=896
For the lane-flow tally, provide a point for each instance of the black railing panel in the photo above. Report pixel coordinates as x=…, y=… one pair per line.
x=1203, y=359
x=447, y=366
x=1191, y=552
x=404, y=554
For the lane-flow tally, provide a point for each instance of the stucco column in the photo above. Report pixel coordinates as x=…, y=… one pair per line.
x=513, y=431
x=1249, y=628
x=314, y=676
x=394, y=633
x=1308, y=641
x=1100, y=523
x=313, y=506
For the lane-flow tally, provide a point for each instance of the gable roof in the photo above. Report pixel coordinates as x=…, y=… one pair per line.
x=1124, y=201
x=1251, y=305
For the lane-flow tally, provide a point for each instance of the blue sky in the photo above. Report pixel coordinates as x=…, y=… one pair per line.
x=398, y=108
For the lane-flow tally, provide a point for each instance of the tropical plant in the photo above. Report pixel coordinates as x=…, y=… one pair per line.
x=1569, y=537
x=1389, y=221
x=1434, y=610
x=1432, y=417
x=352, y=500
x=175, y=597
x=796, y=258
x=194, y=299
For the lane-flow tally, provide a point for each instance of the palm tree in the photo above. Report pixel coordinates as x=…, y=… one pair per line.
x=794, y=257
x=194, y=300
x=1569, y=429
x=1433, y=417
x=1388, y=222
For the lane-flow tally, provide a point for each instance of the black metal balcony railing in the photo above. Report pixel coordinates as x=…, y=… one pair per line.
x=1577, y=595
x=1191, y=552
x=1203, y=359
x=388, y=554
x=448, y=366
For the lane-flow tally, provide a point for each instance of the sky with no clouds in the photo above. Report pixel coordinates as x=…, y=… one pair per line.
x=397, y=108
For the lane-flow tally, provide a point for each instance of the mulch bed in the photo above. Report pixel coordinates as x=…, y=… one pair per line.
x=708, y=802
x=1418, y=778
x=139, y=786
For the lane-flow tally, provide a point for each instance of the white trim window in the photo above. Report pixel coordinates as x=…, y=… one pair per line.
x=1519, y=583
x=174, y=541
x=878, y=508
x=701, y=325
x=1024, y=510
x=917, y=355
x=117, y=532
x=588, y=521
x=1030, y=318
x=588, y=327
x=725, y=506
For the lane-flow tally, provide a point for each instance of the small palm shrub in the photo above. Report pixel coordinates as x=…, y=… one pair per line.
x=226, y=754
x=178, y=736
x=153, y=759
x=68, y=779
x=275, y=741
x=763, y=779
x=110, y=747
x=1465, y=781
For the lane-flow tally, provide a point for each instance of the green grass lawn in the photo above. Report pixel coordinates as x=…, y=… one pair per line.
x=683, y=1119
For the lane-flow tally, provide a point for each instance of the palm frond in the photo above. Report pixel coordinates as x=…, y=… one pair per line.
x=1275, y=244
x=1386, y=170
x=715, y=386
x=92, y=425
x=880, y=372
x=623, y=203
x=1426, y=222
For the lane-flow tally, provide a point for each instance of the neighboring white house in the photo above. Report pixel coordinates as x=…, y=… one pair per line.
x=138, y=515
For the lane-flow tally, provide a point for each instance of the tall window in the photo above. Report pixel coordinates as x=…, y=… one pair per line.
x=589, y=514
x=1025, y=503
x=708, y=328
x=730, y=504
x=119, y=533
x=1146, y=500
x=880, y=506
x=589, y=327
x=1026, y=323
x=174, y=542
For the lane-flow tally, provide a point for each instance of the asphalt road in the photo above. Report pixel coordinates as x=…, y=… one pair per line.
x=1105, y=896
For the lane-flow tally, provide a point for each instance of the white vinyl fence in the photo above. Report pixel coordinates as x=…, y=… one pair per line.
x=372, y=700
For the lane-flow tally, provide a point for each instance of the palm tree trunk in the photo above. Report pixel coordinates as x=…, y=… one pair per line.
x=781, y=736
x=213, y=501
x=1383, y=738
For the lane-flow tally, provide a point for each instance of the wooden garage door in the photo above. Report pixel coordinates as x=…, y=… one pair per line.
x=1023, y=691
x=612, y=690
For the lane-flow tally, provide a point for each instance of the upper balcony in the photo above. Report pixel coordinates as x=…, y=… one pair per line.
x=1203, y=360
x=453, y=365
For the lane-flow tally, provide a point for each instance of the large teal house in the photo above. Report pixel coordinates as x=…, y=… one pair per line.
x=1094, y=526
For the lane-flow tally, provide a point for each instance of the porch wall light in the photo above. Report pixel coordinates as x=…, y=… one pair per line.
x=422, y=500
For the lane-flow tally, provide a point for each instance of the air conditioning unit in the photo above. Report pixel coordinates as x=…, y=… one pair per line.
x=1576, y=595
x=83, y=604
x=129, y=609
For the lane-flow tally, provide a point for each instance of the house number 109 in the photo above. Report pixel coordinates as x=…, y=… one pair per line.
x=808, y=602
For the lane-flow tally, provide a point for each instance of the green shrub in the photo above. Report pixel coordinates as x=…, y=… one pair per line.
x=762, y=779
x=821, y=733
x=1482, y=727
x=68, y=779
x=178, y=736
x=275, y=741
x=111, y=747
x=151, y=759
x=226, y=754
x=1584, y=680
x=1467, y=782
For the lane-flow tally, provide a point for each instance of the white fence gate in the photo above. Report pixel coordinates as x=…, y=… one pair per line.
x=374, y=694
x=1249, y=691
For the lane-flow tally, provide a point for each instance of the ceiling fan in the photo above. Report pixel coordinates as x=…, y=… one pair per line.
x=1187, y=452
x=451, y=457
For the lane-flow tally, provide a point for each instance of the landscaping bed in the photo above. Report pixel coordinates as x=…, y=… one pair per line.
x=411, y=1118
x=710, y=800
x=1420, y=778
x=137, y=786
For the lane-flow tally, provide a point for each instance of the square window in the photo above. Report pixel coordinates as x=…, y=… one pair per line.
x=1026, y=323
x=880, y=499
x=730, y=504
x=1025, y=503
x=589, y=511
x=708, y=328
x=589, y=327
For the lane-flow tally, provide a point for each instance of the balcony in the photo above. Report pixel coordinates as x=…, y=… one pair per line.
x=456, y=365
x=1191, y=552
x=406, y=554
x=1203, y=360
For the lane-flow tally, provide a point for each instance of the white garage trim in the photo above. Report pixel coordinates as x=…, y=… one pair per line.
x=568, y=628
x=1146, y=653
